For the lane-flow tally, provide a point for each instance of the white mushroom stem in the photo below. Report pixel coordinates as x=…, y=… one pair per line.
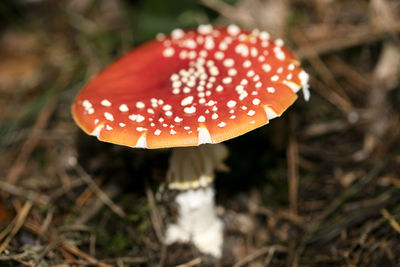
x=191, y=171
x=197, y=222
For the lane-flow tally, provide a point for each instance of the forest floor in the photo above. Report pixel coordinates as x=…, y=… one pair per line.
x=319, y=186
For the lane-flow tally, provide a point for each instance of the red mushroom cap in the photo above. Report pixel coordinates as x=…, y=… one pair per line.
x=201, y=86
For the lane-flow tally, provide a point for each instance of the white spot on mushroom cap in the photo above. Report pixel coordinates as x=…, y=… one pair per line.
x=279, y=42
x=233, y=29
x=270, y=89
x=242, y=50
x=209, y=44
x=176, y=84
x=251, y=113
x=232, y=72
x=214, y=71
x=177, y=33
x=86, y=104
x=187, y=101
x=168, y=52
x=201, y=119
x=266, y=67
x=204, y=29
x=264, y=36
x=250, y=73
x=256, y=101
x=229, y=62
x=219, y=55
x=274, y=78
x=211, y=103
x=140, y=104
x=280, y=55
x=139, y=118
x=105, y=103
x=123, y=108
x=223, y=46
x=189, y=110
x=219, y=88
x=243, y=95
x=253, y=52
x=231, y=104
x=183, y=54
x=108, y=116
x=174, y=77
x=203, y=53
x=191, y=44
x=227, y=80
x=247, y=63
x=166, y=107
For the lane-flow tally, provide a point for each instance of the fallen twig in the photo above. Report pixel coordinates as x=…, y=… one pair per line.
x=19, y=221
x=99, y=193
x=357, y=187
x=191, y=263
x=259, y=253
x=358, y=36
x=40, y=199
x=31, y=142
x=392, y=221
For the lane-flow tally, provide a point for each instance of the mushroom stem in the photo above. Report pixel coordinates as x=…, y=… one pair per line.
x=197, y=221
x=191, y=171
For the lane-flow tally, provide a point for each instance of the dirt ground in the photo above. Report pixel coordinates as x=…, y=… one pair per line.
x=319, y=186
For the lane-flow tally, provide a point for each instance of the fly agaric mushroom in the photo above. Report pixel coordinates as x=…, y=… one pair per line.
x=193, y=87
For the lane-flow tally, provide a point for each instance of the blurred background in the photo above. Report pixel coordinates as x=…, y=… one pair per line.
x=319, y=186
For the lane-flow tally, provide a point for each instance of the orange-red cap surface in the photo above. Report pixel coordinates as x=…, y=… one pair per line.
x=200, y=86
